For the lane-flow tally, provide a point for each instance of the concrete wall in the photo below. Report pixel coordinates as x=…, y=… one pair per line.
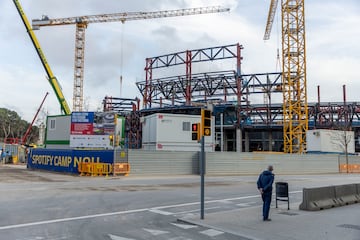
x=163, y=162
x=231, y=163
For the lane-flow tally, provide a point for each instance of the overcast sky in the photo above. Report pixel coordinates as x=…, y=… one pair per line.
x=114, y=49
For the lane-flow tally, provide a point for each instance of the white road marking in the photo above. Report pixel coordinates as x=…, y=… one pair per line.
x=121, y=212
x=180, y=238
x=195, y=210
x=72, y=219
x=155, y=210
x=114, y=237
x=184, y=226
x=51, y=238
x=155, y=232
x=212, y=232
x=33, y=238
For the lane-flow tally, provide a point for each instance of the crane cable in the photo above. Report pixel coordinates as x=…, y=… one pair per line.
x=121, y=56
x=278, y=62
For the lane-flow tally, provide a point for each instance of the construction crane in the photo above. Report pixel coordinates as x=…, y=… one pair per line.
x=83, y=21
x=52, y=79
x=295, y=106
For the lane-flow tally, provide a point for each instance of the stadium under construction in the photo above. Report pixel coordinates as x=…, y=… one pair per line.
x=247, y=108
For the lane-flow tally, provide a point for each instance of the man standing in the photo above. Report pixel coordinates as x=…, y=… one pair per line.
x=264, y=184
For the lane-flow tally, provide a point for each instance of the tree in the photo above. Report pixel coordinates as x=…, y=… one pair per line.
x=342, y=139
x=12, y=126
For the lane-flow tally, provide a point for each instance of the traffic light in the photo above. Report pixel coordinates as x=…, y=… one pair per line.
x=206, y=122
x=111, y=138
x=195, y=134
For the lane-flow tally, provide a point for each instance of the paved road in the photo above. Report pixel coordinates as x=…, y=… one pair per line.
x=39, y=205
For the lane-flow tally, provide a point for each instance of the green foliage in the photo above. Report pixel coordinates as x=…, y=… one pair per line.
x=12, y=126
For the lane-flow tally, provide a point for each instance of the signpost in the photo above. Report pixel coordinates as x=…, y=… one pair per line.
x=202, y=174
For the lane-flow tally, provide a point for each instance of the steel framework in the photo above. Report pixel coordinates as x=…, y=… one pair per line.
x=210, y=86
x=122, y=106
x=128, y=108
x=184, y=87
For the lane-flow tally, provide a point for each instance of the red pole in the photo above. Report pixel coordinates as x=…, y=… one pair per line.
x=23, y=140
x=238, y=81
x=147, y=90
x=188, y=77
x=346, y=117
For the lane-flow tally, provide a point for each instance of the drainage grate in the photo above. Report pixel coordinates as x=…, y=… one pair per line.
x=289, y=213
x=356, y=227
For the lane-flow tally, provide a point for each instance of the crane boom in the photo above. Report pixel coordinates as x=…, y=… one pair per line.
x=270, y=19
x=82, y=22
x=52, y=79
x=123, y=17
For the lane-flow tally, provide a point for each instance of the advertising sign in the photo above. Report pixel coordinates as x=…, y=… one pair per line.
x=92, y=129
x=82, y=123
x=61, y=160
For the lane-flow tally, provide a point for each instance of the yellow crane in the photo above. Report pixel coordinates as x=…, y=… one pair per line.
x=52, y=79
x=83, y=21
x=295, y=106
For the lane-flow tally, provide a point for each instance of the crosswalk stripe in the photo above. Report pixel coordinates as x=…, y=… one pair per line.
x=212, y=232
x=114, y=237
x=184, y=226
x=155, y=232
x=248, y=204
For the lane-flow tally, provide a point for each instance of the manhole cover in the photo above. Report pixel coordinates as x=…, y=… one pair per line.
x=289, y=213
x=357, y=227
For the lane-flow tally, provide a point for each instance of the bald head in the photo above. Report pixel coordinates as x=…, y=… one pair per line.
x=270, y=168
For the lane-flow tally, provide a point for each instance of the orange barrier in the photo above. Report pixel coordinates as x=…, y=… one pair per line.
x=350, y=168
x=85, y=169
x=94, y=169
x=122, y=168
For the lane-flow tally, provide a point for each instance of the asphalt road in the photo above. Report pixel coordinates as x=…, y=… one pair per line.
x=40, y=205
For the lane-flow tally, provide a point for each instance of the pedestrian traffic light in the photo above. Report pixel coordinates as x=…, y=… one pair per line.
x=206, y=122
x=195, y=134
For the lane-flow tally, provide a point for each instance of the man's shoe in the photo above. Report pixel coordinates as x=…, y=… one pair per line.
x=268, y=219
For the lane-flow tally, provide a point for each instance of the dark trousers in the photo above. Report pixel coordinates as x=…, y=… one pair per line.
x=266, y=197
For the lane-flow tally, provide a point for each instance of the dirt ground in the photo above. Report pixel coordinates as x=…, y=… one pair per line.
x=19, y=173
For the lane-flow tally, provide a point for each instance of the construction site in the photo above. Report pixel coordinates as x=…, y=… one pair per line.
x=256, y=112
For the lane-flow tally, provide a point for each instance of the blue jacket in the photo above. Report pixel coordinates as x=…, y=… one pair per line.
x=265, y=181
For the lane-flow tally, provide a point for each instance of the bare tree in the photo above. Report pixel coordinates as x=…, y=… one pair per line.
x=342, y=139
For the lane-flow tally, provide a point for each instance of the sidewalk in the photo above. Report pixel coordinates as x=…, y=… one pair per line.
x=341, y=223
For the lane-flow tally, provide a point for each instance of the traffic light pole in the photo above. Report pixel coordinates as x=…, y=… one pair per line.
x=202, y=174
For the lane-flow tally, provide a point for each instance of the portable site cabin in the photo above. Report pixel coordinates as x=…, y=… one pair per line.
x=172, y=132
x=330, y=141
